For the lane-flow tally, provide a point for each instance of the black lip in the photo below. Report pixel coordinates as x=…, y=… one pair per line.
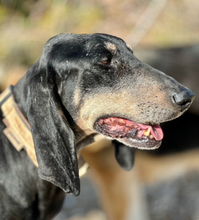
x=143, y=144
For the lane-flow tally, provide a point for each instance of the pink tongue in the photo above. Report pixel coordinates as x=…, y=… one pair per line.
x=156, y=131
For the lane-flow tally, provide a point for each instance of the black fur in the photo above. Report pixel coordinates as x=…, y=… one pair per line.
x=52, y=94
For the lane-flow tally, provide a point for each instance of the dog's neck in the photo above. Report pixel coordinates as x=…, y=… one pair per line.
x=17, y=127
x=20, y=96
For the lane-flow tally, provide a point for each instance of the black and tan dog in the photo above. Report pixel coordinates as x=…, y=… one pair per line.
x=83, y=86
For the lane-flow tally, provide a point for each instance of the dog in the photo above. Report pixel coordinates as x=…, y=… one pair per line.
x=83, y=88
x=123, y=194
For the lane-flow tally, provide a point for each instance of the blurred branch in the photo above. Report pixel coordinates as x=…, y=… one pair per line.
x=146, y=21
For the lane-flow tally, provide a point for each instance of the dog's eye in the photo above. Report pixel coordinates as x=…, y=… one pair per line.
x=106, y=61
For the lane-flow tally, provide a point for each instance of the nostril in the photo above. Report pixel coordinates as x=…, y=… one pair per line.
x=183, y=99
x=181, y=102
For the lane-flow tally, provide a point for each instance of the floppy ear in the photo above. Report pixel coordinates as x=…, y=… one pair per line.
x=124, y=155
x=53, y=138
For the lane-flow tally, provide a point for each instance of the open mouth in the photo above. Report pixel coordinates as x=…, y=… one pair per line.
x=130, y=133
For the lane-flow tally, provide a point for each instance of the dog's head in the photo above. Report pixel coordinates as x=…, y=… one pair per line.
x=85, y=84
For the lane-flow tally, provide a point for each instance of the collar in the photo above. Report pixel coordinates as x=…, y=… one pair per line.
x=17, y=128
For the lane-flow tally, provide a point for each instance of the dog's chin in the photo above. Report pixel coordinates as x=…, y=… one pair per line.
x=132, y=134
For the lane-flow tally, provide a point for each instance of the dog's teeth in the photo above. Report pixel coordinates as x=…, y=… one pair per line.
x=101, y=122
x=121, y=121
x=151, y=136
x=147, y=132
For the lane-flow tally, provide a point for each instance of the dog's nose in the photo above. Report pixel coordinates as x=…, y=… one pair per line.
x=184, y=98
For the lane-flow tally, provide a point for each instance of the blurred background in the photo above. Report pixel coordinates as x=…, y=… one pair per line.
x=163, y=33
x=26, y=25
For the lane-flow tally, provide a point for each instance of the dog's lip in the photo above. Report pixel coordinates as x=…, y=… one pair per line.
x=146, y=144
x=133, y=134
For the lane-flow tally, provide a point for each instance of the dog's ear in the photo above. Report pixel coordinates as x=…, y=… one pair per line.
x=53, y=138
x=124, y=155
